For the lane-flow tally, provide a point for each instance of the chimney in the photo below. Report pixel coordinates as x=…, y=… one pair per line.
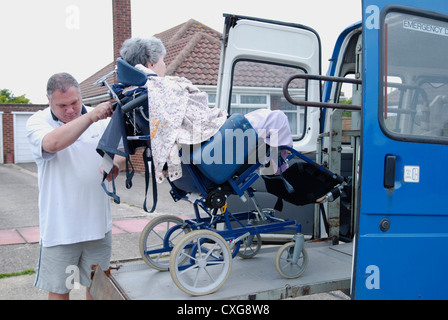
x=121, y=12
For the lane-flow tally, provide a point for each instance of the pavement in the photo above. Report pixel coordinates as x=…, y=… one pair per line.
x=19, y=228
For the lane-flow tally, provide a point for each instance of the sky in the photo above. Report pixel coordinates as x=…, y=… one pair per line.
x=41, y=38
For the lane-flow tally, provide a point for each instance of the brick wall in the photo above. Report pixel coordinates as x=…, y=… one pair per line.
x=137, y=161
x=122, y=28
x=8, y=126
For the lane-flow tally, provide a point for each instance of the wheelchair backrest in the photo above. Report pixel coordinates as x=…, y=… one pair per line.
x=129, y=75
x=230, y=148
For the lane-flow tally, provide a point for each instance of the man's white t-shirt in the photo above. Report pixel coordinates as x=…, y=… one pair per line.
x=73, y=206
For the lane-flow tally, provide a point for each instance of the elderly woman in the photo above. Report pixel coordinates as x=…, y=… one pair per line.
x=179, y=112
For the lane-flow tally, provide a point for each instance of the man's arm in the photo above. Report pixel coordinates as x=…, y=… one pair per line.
x=62, y=137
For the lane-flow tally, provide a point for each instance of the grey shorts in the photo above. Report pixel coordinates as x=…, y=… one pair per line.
x=62, y=268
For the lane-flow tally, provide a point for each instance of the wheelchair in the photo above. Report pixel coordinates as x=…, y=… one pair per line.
x=199, y=252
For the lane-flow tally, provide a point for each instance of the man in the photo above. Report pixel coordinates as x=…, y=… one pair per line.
x=74, y=211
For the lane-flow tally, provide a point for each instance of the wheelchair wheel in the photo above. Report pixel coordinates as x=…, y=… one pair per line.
x=209, y=265
x=285, y=264
x=158, y=239
x=250, y=246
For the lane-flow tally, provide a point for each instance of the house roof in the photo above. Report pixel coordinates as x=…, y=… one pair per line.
x=193, y=52
x=256, y=74
x=88, y=90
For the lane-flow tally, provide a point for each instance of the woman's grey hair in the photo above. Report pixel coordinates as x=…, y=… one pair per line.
x=141, y=51
x=62, y=82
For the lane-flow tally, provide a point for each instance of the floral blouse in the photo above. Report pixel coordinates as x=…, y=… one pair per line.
x=179, y=114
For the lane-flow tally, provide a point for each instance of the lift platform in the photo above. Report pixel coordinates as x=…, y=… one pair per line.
x=329, y=269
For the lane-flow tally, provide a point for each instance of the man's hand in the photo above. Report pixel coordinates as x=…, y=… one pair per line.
x=118, y=165
x=112, y=174
x=101, y=111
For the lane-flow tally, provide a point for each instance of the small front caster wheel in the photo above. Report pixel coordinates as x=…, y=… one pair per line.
x=285, y=264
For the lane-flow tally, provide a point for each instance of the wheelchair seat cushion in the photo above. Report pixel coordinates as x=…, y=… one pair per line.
x=223, y=154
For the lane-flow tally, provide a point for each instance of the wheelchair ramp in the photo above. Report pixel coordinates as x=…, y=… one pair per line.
x=329, y=269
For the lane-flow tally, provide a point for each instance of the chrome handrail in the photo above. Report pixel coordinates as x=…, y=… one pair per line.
x=319, y=104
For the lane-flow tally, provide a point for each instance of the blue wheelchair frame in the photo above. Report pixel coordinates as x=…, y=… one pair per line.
x=236, y=224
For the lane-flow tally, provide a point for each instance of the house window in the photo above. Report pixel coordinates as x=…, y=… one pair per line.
x=242, y=103
x=257, y=85
x=211, y=98
x=258, y=100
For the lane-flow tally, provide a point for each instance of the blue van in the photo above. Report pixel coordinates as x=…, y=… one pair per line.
x=390, y=137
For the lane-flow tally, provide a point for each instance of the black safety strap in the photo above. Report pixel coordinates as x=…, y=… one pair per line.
x=129, y=176
x=113, y=193
x=146, y=159
x=109, y=144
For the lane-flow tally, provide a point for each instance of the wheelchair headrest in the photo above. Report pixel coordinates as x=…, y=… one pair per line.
x=129, y=75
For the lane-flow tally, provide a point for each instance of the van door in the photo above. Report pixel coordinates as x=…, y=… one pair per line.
x=257, y=57
x=402, y=241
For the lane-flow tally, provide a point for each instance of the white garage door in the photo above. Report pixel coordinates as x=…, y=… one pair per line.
x=22, y=151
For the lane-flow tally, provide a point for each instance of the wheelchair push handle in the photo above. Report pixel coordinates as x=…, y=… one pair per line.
x=131, y=105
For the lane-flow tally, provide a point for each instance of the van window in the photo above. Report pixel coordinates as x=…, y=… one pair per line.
x=258, y=85
x=414, y=76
